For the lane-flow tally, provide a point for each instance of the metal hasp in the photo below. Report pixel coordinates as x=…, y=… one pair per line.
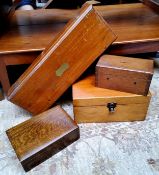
x=111, y=106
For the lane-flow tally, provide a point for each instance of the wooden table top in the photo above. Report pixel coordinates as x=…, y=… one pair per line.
x=132, y=23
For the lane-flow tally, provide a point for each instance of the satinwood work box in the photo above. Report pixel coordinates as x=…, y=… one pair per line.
x=40, y=137
x=124, y=74
x=92, y=104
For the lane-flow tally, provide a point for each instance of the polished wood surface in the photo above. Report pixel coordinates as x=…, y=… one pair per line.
x=28, y=39
x=42, y=136
x=65, y=59
x=134, y=48
x=124, y=74
x=17, y=59
x=90, y=103
x=135, y=25
x=126, y=63
x=43, y=16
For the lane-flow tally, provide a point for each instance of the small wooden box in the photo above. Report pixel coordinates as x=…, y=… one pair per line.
x=124, y=74
x=73, y=50
x=93, y=104
x=42, y=136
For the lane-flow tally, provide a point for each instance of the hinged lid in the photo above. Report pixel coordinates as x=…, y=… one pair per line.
x=126, y=63
x=86, y=94
x=36, y=134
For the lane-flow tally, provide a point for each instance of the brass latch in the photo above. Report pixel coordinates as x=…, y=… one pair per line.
x=111, y=106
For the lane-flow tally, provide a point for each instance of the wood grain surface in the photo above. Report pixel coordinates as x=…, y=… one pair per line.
x=124, y=74
x=40, y=137
x=65, y=59
x=135, y=25
x=17, y=59
x=90, y=103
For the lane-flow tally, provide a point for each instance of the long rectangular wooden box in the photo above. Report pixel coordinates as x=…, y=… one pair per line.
x=124, y=74
x=92, y=104
x=64, y=60
x=40, y=137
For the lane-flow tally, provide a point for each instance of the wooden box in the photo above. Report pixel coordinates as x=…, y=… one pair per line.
x=93, y=104
x=124, y=74
x=40, y=137
x=62, y=62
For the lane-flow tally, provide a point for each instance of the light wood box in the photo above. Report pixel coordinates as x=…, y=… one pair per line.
x=95, y=105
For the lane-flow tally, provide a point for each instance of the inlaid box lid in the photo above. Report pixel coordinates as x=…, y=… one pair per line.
x=40, y=136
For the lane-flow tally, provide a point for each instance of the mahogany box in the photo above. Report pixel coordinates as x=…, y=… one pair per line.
x=92, y=104
x=124, y=74
x=72, y=51
x=40, y=137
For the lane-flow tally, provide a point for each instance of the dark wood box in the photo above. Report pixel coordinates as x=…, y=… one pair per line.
x=97, y=105
x=62, y=62
x=40, y=137
x=124, y=74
